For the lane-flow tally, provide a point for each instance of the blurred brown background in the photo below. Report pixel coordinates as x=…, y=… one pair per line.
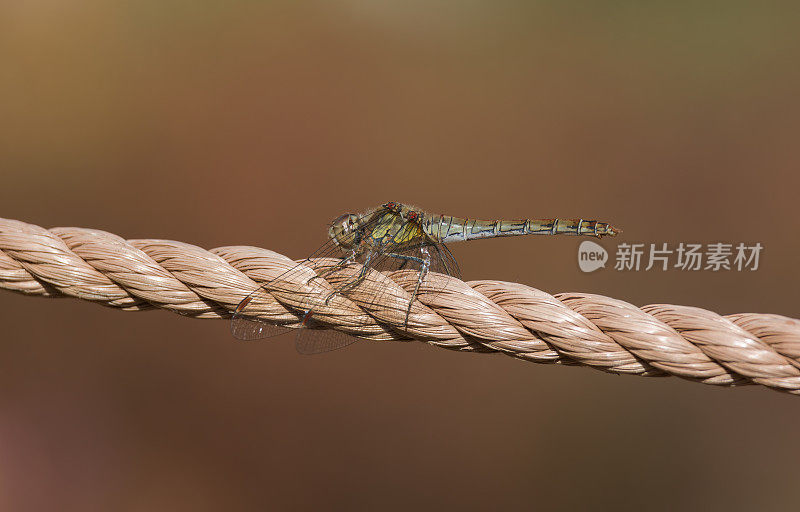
x=257, y=122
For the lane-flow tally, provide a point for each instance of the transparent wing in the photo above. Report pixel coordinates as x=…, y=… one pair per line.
x=442, y=260
x=418, y=249
x=261, y=315
x=302, y=298
x=319, y=342
x=409, y=257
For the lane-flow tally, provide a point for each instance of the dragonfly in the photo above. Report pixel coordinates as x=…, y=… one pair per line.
x=361, y=249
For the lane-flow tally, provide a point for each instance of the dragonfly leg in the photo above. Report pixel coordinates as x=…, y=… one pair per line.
x=425, y=264
x=354, y=282
x=406, y=258
x=342, y=263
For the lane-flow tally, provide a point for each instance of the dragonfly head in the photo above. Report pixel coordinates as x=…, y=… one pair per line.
x=343, y=230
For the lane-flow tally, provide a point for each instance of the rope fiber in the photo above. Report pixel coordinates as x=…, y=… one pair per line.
x=480, y=316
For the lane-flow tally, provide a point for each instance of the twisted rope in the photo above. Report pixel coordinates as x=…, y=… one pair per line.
x=482, y=316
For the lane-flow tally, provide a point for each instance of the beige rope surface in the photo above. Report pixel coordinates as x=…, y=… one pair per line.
x=483, y=316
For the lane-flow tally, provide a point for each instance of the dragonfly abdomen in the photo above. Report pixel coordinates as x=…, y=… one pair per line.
x=445, y=228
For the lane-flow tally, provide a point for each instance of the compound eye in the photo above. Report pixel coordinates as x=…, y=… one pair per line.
x=341, y=219
x=345, y=220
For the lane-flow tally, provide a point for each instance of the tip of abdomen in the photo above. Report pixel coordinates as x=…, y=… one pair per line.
x=605, y=229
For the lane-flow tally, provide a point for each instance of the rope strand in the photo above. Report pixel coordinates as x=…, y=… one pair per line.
x=481, y=316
